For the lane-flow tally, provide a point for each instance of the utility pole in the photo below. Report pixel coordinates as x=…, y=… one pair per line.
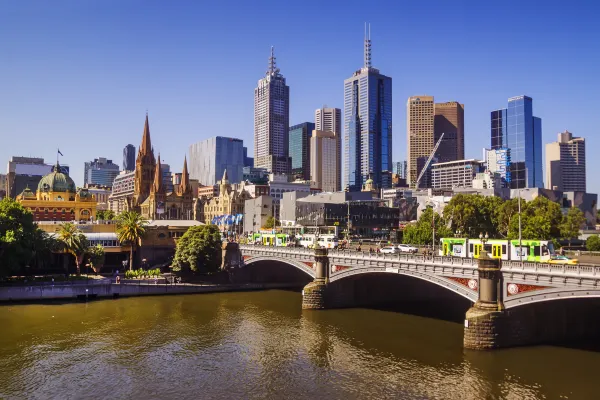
x=520, y=236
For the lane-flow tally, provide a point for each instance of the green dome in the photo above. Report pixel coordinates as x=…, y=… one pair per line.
x=369, y=181
x=56, y=181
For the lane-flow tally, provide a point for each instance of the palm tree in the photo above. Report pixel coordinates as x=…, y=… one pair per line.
x=74, y=242
x=131, y=226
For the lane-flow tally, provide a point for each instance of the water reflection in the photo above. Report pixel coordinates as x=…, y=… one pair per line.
x=262, y=345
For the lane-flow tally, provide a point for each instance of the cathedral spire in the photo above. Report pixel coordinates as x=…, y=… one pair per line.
x=157, y=185
x=185, y=177
x=146, y=145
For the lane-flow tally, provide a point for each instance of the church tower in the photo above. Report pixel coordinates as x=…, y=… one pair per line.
x=144, y=168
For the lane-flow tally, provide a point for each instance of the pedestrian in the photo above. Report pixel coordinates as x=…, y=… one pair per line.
x=358, y=248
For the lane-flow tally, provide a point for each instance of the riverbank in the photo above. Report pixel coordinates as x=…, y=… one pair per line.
x=41, y=293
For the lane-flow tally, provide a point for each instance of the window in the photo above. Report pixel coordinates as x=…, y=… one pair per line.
x=536, y=251
x=503, y=249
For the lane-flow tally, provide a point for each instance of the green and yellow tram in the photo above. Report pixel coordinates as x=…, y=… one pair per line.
x=527, y=250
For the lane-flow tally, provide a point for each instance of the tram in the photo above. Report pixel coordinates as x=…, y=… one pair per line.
x=529, y=250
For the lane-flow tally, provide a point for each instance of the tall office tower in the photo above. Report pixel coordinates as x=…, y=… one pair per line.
x=248, y=161
x=449, y=119
x=420, y=133
x=100, y=172
x=498, y=161
x=129, y=158
x=329, y=119
x=211, y=157
x=516, y=128
x=299, y=149
x=398, y=168
x=325, y=160
x=565, y=163
x=272, y=121
x=367, y=126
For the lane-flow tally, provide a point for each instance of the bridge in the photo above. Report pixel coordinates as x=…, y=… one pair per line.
x=510, y=300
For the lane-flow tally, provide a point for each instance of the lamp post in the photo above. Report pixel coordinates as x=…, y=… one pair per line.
x=484, y=240
x=520, y=236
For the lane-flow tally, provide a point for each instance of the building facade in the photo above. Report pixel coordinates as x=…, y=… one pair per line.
x=420, y=133
x=58, y=199
x=230, y=201
x=565, y=163
x=455, y=174
x=256, y=213
x=101, y=193
x=26, y=172
x=497, y=161
x=101, y=171
x=367, y=126
x=129, y=158
x=325, y=160
x=449, y=119
x=122, y=192
x=211, y=157
x=272, y=121
x=3, y=186
x=299, y=149
x=329, y=119
x=516, y=128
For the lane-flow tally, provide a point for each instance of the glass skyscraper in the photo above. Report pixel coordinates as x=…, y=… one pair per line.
x=211, y=157
x=129, y=158
x=367, y=126
x=299, y=149
x=515, y=128
x=100, y=172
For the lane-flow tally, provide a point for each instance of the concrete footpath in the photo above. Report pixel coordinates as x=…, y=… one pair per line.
x=113, y=290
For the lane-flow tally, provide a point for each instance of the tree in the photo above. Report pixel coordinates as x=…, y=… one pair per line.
x=421, y=233
x=504, y=214
x=472, y=214
x=105, y=215
x=540, y=219
x=271, y=223
x=19, y=237
x=593, y=243
x=74, y=242
x=96, y=257
x=199, y=248
x=131, y=226
x=569, y=228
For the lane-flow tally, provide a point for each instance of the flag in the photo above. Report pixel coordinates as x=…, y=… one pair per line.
x=60, y=152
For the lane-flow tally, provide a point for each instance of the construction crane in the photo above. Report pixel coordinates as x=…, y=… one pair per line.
x=426, y=166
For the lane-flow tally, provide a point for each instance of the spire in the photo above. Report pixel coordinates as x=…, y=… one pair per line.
x=273, y=70
x=157, y=185
x=225, y=177
x=185, y=177
x=367, y=46
x=146, y=145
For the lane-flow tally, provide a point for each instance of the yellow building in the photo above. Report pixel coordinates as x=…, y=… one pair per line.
x=58, y=199
x=229, y=202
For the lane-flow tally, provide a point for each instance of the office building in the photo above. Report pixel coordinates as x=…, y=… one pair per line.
x=3, y=185
x=367, y=126
x=299, y=149
x=329, y=119
x=565, y=163
x=255, y=175
x=449, y=119
x=248, y=161
x=101, y=193
x=498, y=162
x=325, y=160
x=487, y=180
x=256, y=213
x=211, y=157
x=122, y=193
x=26, y=172
x=167, y=177
x=420, y=113
x=455, y=174
x=129, y=158
x=516, y=129
x=272, y=121
x=101, y=171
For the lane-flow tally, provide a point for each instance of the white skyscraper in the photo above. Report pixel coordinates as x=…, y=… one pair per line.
x=271, y=121
x=328, y=120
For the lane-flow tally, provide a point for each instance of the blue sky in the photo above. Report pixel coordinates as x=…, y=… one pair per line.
x=80, y=75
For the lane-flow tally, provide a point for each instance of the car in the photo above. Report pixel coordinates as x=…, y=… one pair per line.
x=389, y=250
x=558, y=259
x=404, y=248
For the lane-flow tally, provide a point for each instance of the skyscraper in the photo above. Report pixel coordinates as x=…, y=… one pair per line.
x=211, y=157
x=299, y=149
x=449, y=119
x=129, y=158
x=271, y=121
x=367, y=126
x=100, y=172
x=324, y=160
x=420, y=133
x=328, y=119
x=565, y=163
x=516, y=128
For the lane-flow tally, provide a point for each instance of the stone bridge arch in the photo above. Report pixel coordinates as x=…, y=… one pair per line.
x=306, y=267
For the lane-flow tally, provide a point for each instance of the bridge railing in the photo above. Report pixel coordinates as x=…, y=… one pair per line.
x=552, y=269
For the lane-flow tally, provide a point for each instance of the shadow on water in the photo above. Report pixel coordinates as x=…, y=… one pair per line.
x=451, y=311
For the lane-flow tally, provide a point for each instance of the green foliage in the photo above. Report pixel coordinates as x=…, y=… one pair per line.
x=593, y=243
x=271, y=223
x=131, y=226
x=105, y=215
x=21, y=241
x=96, y=257
x=473, y=214
x=421, y=232
x=199, y=249
x=73, y=242
x=540, y=219
x=569, y=228
x=140, y=273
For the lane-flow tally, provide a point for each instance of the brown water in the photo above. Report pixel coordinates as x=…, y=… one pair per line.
x=261, y=345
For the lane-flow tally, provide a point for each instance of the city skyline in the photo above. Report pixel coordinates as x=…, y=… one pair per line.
x=170, y=103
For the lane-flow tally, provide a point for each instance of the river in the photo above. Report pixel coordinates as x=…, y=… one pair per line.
x=261, y=345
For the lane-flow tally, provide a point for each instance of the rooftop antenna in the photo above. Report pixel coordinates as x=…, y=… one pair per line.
x=273, y=70
x=367, y=46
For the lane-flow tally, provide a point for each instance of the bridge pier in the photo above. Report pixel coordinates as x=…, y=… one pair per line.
x=314, y=295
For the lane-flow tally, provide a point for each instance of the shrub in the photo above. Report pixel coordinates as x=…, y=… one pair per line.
x=593, y=243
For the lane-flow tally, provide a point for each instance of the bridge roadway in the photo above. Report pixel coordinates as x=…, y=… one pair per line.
x=522, y=283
